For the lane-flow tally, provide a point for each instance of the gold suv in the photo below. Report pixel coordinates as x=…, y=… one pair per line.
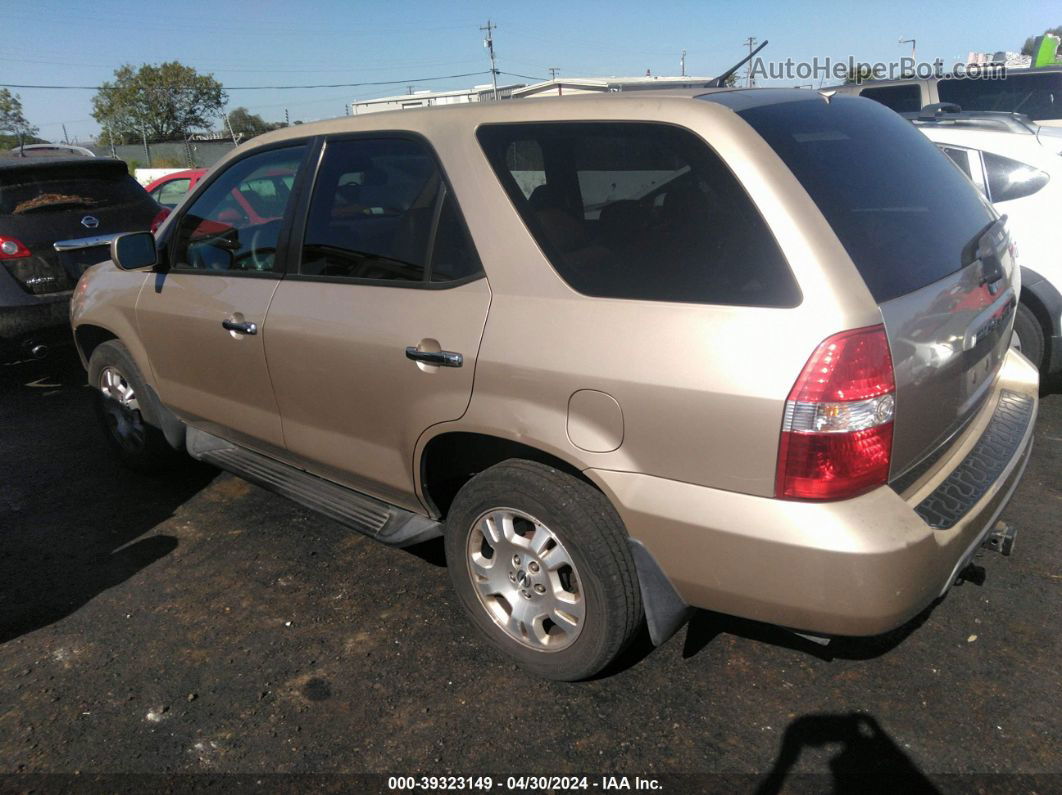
x=629, y=355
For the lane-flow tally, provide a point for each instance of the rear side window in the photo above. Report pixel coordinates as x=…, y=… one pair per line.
x=1011, y=179
x=43, y=195
x=902, y=99
x=381, y=211
x=1038, y=96
x=171, y=193
x=902, y=211
x=641, y=211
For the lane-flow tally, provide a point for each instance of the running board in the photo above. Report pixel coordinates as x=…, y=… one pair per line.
x=393, y=526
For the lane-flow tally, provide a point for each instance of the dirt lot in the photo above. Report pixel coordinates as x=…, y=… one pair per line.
x=199, y=624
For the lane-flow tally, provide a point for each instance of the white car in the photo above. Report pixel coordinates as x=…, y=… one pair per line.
x=1018, y=166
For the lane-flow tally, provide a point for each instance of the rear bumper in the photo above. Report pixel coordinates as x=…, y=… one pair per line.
x=46, y=319
x=857, y=567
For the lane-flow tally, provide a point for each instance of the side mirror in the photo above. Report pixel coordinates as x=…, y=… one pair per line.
x=134, y=251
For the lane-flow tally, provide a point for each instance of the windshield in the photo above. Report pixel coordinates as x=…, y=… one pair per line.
x=903, y=212
x=55, y=195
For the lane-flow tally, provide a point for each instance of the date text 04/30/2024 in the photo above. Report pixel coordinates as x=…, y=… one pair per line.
x=522, y=783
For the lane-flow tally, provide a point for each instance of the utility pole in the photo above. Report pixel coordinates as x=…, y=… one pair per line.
x=553, y=72
x=489, y=44
x=66, y=138
x=228, y=123
x=147, y=149
x=682, y=63
x=750, y=42
x=409, y=90
x=287, y=120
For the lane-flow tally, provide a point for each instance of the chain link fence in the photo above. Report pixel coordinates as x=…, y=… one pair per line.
x=168, y=154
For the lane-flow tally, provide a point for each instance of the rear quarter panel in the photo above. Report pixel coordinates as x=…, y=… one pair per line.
x=701, y=387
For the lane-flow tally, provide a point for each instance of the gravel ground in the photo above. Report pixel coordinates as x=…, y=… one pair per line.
x=197, y=624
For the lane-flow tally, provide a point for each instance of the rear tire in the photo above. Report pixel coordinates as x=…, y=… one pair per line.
x=1028, y=336
x=541, y=563
x=119, y=390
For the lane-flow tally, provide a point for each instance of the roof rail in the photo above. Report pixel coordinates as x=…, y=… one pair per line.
x=952, y=115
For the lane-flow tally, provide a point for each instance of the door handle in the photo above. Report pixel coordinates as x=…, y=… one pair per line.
x=438, y=358
x=240, y=326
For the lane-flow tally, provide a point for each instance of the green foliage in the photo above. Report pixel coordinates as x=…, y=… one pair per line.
x=1027, y=48
x=167, y=101
x=247, y=125
x=12, y=119
x=860, y=73
x=168, y=161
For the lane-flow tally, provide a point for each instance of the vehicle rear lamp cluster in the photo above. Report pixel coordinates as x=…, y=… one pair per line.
x=11, y=248
x=836, y=437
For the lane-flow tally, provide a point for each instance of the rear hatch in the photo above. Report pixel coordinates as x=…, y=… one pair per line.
x=44, y=200
x=933, y=253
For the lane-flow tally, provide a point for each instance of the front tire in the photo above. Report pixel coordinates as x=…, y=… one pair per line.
x=541, y=564
x=119, y=392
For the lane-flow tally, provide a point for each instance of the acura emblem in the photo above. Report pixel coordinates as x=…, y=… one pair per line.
x=90, y=222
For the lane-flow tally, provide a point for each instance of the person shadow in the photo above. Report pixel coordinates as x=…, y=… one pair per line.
x=866, y=758
x=73, y=522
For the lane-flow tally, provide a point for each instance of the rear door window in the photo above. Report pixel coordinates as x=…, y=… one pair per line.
x=902, y=99
x=1037, y=95
x=904, y=214
x=641, y=211
x=381, y=211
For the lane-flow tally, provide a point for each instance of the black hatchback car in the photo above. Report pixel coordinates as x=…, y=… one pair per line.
x=45, y=200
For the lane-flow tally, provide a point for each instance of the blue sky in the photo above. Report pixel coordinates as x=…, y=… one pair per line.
x=283, y=42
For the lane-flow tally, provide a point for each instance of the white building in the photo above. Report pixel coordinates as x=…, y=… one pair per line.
x=562, y=86
x=424, y=99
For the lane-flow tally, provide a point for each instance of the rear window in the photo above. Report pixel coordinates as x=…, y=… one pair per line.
x=902, y=211
x=1038, y=96
x=641, y=211
x=41, y=196
x=902, y=99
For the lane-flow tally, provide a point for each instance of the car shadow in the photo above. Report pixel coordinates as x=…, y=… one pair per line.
x=865, y=758
x=73, y=522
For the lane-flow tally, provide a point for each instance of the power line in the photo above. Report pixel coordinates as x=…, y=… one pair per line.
x=283, y=88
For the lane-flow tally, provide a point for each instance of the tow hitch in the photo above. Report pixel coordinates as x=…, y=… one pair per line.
x=1001, y=538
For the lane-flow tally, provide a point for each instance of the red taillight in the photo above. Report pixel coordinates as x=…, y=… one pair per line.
x=161, y=216
x=837, y=430
x=10, y=248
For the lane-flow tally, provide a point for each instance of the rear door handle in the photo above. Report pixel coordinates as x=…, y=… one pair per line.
x=240, y=326
x=438, y=358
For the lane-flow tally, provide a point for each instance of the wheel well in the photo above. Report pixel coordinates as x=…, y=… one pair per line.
x=451, y=460
x=1036, y=306
x=88, y=338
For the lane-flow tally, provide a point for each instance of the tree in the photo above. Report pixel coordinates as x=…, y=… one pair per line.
x=12, y=119
x=1027, y=48
x=247, y=125
x=859, y=74
x=167, y=102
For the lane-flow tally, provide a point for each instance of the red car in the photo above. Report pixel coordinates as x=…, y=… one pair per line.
x=170, y=189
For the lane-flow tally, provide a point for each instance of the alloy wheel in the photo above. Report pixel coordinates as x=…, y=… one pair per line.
x=526, y=580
